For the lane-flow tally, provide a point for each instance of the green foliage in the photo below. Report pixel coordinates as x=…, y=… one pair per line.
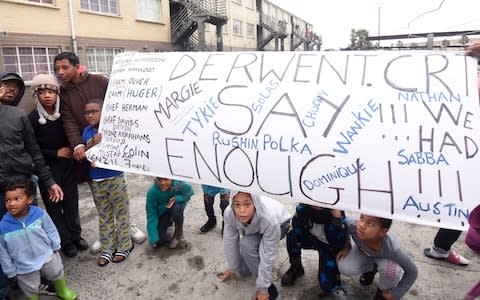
x=358, y=39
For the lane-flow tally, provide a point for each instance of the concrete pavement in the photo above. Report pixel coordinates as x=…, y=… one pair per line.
x=191, y=271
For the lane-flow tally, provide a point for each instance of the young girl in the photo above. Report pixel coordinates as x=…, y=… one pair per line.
x=47, y=124
x=254, y=226
x=166, y=200
x=375, y=250
x=109, y=190
x=29, y=243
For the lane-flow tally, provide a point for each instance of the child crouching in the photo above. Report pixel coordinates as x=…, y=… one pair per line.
x=29, y=243
x=254, y=226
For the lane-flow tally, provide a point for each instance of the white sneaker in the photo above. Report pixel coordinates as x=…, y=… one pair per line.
x=96, y=247
x=137, y=235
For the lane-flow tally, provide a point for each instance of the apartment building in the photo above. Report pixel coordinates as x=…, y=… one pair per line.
x=32, y=32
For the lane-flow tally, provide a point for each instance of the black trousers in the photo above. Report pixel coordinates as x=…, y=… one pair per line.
x=65, y=214
x=445, y=238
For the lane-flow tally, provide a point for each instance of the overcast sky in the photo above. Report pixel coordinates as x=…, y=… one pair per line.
x=334, y=19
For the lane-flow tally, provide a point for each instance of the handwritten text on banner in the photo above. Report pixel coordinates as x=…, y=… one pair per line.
x=393, y=134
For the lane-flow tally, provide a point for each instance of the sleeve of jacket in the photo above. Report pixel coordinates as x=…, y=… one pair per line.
x=184, y=193
x=152, y=217
x=47, y=153
x=51, y=231
x=41, y=168
x=410, y=273
x=231, y=241
x=8, y=266
x=70, y=125
x=267, y=251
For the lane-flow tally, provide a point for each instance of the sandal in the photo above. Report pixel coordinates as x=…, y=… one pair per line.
x=104, y=259
x=452, y=257
x=122, y=255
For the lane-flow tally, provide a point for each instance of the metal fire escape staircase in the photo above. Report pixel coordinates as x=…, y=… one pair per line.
x=271, y=28
x=299, y=38
x=188, y=22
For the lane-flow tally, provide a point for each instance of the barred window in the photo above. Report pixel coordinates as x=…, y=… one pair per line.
x=149, y=10
x=103, y=6
x=101, y=59
x=29, y=61
x=250, y=30
x=237, y=27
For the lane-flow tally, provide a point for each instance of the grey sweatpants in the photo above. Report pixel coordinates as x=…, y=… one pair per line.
x=249, y=256
x=356, y=263
x=51, y=270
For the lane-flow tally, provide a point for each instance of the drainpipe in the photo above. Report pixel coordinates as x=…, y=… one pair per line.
x=72, y=27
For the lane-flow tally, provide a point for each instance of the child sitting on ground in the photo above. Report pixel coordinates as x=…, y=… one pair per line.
x=254, y=226
x=375, y=250
x=321, y=229
x=109, y=190
x=29, y=243
x=166, y=200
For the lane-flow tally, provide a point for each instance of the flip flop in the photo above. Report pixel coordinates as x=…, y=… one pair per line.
x=122, y=254
x=104, y=259
x=452, y=257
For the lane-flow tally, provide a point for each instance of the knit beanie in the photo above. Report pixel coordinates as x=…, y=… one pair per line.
x=46, y=81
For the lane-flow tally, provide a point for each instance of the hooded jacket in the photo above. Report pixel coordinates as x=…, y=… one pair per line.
x=73, y=98
x=26, y=245
x=21, y=87
x=20, y=155
x=269, y=215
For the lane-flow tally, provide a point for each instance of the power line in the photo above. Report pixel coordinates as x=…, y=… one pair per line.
x=425, y=13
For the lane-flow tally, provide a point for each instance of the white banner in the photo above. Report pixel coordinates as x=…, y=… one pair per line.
x=393, y=134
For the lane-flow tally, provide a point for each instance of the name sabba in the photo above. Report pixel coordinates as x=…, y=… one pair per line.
x=421, y=158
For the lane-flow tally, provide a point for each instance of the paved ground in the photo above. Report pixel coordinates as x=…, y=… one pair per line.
x=191, y=271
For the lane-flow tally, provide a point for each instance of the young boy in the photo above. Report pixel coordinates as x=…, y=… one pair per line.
x=21, y=156
x=321, y=229
x=166, y=199
x=78, y=86
x=254, y=226
x=375, y=250
x=29, y=243
x=209, y=193
x=47, y=124
x=109, y=190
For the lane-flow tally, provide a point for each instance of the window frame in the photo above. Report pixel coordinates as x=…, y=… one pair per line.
x=253, y=30
x=240, y=23
x=99, y=11
x=17, y=65
x=147, y=19
x=98, y=67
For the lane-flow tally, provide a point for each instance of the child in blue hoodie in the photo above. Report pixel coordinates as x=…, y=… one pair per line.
x=29, y=243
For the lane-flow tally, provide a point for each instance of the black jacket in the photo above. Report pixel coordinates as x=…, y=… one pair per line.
x=20, y=156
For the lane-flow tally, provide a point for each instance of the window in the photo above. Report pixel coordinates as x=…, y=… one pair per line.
x=101, y=59
x=237, y=27
x=149, y=10
x=42, y=1
x=250, y=30
x=237, y=1
x=103, y=6
x=29, y=61
x=249, y=4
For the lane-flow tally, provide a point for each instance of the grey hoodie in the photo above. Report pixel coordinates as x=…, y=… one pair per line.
x=267, y=219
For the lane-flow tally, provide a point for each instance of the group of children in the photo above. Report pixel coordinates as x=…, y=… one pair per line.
x=252, y=225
